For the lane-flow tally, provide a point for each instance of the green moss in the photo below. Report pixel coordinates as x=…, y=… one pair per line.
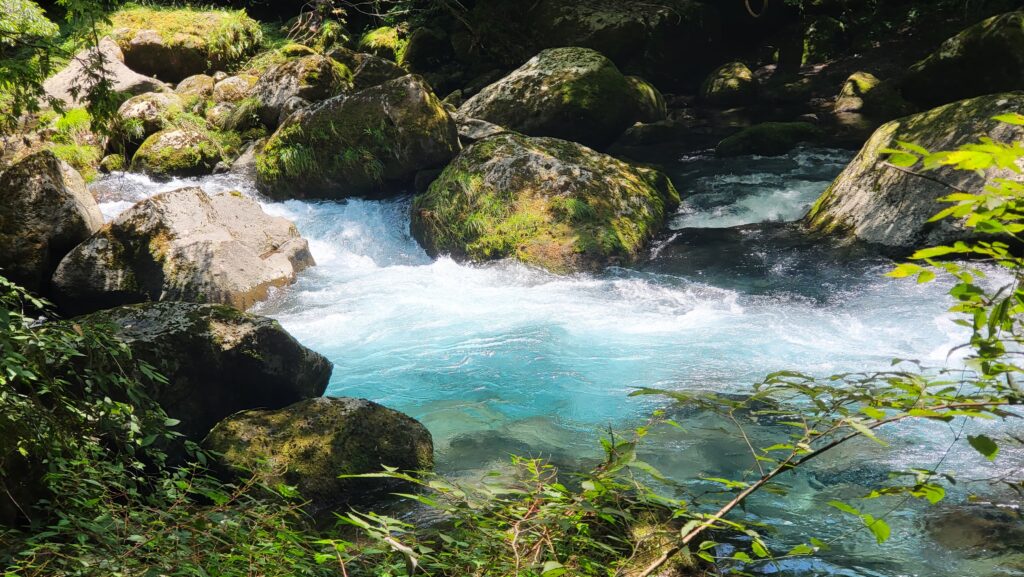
x=228, y=36
x=385, y=42
x=83, y=157
x=178, y=152
x=496, y=200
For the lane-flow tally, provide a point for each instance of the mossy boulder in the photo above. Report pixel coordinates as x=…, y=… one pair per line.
x=234, y=88
x=45, y=210
x=311, y=78
x=183, y=245
x=197, y=86
x=142, y=116
x=863, y=92
x=768, y=139
x=385, y=42
x=983, y=59
x=546, y=202
x=310, y=444
x=571, y=93
x=173, y=44
x=650, y=102
x=882, y=204
x=171, y=152
x=730, y=84
x=112, y=163
x=367, y=70
x=369, y=143
x=217, y=361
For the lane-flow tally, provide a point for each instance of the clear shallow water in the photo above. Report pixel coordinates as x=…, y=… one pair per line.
x=504, y=359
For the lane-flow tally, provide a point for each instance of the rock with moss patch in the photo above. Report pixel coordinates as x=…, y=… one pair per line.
x=183, y=245
x=543, y=201
x=217, y=360
x=650, y=102
x=312, y=78
x=174, y=152
x=197, y=85
x=731, y=84
x=983, y=59
x=143, y=115
x=45, y=210
x=824, y=39
x=571, y=93
x=310, y=444
x=369, y=143
x=385, y=42
x=112, y=163
x=881, y=204
x=863, y=92
x=768, y=139
x=234, y=88
x=64, y=85
x=367, y=70
x=173, y=44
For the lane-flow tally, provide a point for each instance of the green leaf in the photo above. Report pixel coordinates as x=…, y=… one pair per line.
x=1011, y=118
x=553, y=569
x=759, y=549
x=984, y=445
x=879, y=528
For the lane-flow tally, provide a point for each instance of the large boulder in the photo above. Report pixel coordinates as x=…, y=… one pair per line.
x=363, y=144
x=546, y=202
x=197, y=86
x=175, y=44
x=882, y=204
x=730, y=84
x=185, y=151
x=217, y=361
x=67, y=85
x=983, y=59
x=45, y=210
x=310, y=444
x=183, y=245
x=312, y=78
x=570, y=93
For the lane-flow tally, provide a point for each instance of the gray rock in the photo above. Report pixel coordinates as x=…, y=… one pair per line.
x=881, y=204
x=143, y=115
x=45, y=210
x=198, y=85
x=217, y=360
x=183, y=245
x=174, y=152
x=310, y=444
x=123, y=79
x=234, y=88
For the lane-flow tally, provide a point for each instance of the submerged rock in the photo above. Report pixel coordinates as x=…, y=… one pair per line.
x=362, y=144
x=173, y=152
x=308, y=445
x=122, y=79
x=768, y=139
x=883, y=204
x=217, y=361
x=731, y=84
x=983, y=59
x=183, y=245
x=546, y=202
x=570, y=93
x=45, y=210
x=312, y=78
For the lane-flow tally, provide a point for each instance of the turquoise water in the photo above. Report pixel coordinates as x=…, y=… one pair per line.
x=502, y=359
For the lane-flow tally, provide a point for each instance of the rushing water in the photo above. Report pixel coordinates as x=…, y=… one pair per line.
x=503, y=359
